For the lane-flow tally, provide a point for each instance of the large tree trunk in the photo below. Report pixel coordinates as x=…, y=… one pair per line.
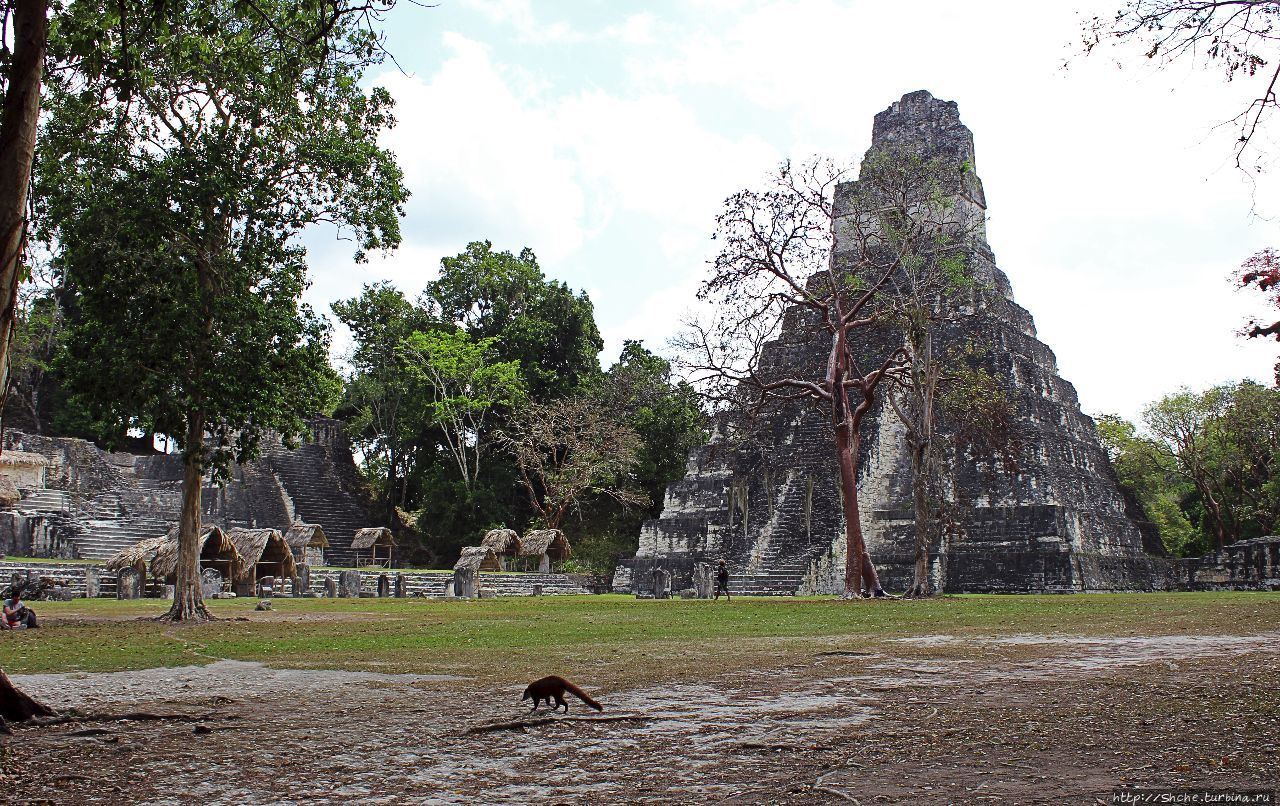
x=17, y=150
x=924, y=521
x=16, y=706
x=188, y=602
x=859, y=572
x=393, y=456
x=925, y=493
x=855, y=547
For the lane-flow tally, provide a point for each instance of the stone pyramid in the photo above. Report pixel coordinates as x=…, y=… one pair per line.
x=772, y=508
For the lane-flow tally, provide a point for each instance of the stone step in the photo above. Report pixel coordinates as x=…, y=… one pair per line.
x=45, y=500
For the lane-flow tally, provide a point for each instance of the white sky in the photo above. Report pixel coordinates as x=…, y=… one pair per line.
x=605, y=134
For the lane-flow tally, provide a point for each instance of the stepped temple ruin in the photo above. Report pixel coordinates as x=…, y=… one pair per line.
x=86, y=503
x=773, y=511
x=288, y=523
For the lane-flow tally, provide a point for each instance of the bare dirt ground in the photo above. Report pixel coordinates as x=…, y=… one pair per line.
x=933, y=719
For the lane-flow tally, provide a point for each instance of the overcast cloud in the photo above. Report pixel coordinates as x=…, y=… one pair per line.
x=605, y=135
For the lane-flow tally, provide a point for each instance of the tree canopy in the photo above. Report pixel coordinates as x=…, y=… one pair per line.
x=1205, y=466
x=181, y=189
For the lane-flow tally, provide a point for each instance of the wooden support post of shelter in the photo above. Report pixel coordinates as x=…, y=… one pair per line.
x=263, y=553
x=373, y=545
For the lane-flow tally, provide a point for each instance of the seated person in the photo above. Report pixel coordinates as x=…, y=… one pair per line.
x=15, y=614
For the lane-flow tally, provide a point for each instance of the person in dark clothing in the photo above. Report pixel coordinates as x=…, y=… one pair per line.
x=722, y=581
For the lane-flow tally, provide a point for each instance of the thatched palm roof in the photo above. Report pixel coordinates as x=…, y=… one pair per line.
x=544, y=541
x=144, y=551
x=16, y=458
x=373, y=535
x=475, y=557
x=261, y=545
x=301, y=535
x=502, y=541
x=213, y=541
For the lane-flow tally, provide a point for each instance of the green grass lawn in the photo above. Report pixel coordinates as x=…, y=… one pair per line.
x=624, y=637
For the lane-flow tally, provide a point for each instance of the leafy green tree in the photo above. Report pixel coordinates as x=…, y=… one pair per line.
x=1226, y=443
x=665, y=413
x=667, y=417
x=380, y=389
x=175, y=213
x=1150, y=476
x=463, y=385
x=539, y=322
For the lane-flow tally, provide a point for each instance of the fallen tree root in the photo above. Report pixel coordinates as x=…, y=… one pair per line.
x=521, y=724
x=15, y=706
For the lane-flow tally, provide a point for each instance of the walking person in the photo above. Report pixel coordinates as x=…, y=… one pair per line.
x=722, y=581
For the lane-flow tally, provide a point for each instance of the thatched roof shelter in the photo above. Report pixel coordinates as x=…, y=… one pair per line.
x=216, y=551
x=24, y=468
x=372, y=536
x=476, y=558
x=502, y=541
x=550, y=542
x=373, y=546
x=307, y=541
x=302, y=535
x=505, y=544
x=142, y=552
x=263, y=552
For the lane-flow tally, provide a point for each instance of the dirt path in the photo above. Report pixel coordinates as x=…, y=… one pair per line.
x=1023, y=719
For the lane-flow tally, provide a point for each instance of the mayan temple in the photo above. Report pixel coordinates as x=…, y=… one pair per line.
x=772, y=509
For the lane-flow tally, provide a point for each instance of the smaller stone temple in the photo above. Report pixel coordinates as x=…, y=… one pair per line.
x=77, y=501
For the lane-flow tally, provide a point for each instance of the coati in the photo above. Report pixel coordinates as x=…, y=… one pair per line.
x=555, y=686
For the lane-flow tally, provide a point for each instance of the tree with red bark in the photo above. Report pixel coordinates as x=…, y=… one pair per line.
x=779, y=259
x=1262, y=271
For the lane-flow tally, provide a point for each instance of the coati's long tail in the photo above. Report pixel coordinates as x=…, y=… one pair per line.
x=582, y=695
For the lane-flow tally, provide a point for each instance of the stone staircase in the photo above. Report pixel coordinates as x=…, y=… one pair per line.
x=40, y=500
x=101, y=529
x=103, y=538
x=783, y=578
x=319, y=496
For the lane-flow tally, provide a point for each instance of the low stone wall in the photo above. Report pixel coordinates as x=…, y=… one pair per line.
x=70, y=575
x=435, y=583
x=417, y=583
